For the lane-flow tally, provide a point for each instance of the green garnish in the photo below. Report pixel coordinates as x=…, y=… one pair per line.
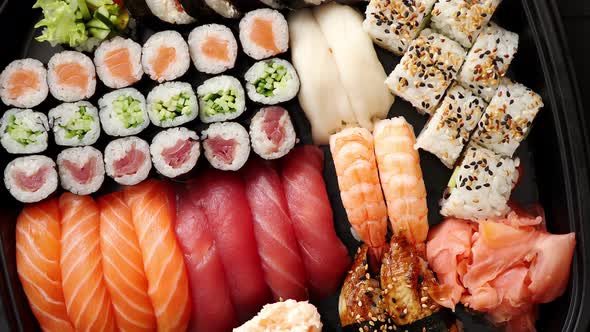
x=20, y=133
x=453, y=181
x=221, y=102
x=128, y=111
x=176, y=106
x=79, y=126
x=275, y=76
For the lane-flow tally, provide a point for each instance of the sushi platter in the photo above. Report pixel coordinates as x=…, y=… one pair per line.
x=291, y=165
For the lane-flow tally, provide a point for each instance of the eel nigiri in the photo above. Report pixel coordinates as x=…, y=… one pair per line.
x=223, y=198
x=153, y=210
x=213, y=309
x=324, y=256
x=87, y=298
x=277, y=245
x=38, y=249
x=123, y=266
x=401, y=178
x=358, y=179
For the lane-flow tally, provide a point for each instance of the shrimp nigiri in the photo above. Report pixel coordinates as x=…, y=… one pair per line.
x=358, y=179
x=401, y=178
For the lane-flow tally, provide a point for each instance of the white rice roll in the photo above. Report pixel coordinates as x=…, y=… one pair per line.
x=24, y=131
x=264, y=33
x=118, y=62
x=81, y=170
x=221, y=98
x=31, y=179
x=272, y=81
x=127, y=160
x=23, y=83
x=123, y=112
x=272, y=133
x=75, y=124
x=71, y=76
x=213, y=48
x=165, y=56
x=170, y=11
x=175, y=151
x=226, y=145
x=172, y=104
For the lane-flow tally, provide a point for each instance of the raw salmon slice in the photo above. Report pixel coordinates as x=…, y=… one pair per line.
x=38, y=249
x=119, y=63
x=87, y=298
x=165, y=57
x=21, y=82
x=72, y=74
x=216, y=48
x=262, y=34
x=123, y=266
x=153, y=208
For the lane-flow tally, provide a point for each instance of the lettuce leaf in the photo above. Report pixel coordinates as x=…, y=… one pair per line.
x=63, y=22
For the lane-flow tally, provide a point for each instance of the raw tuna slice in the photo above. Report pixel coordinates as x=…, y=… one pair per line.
x=130, y=163
x=178, y=154
x=324, y=256
x=83, y=174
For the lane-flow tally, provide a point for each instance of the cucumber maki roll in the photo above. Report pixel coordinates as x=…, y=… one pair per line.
x=172, y=104
x=221, y=98
x=272, y=81
x=24, y=131
x=75, y=124
x=123, y=112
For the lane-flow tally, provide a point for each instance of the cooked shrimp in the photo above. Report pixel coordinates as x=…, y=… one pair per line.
x=401, y=178
x=358, y=179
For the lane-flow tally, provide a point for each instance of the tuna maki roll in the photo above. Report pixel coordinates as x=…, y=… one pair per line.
x=23, y=83
x=127, y=160
x=165, y=56
x=221, y=98
x=272, y=81
x=75, y=124
x=272, y=133
x=123, y=112
x=30, y=179
x=172, y=104
x=118, y=62
x=226, y=145
x=213, y=48
x=24, y=131
x=81, y=170
x=264, y=33
x=175, y=151
x=71, y=76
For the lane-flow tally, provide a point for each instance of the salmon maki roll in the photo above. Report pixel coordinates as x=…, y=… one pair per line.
x=30, y=179
x=264, y=33
x=71, y=76
x=165, y=56
x=23, y=83
x=118, y=62
x=38, y=248
x=213, y=48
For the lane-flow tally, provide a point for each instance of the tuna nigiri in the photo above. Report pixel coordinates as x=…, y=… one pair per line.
x=87, y=298
x=153, y=210
x=324, y=256
x=401, y=178
x=123, y=266
x=277, y=245
x=38, y=249
x=358, y=179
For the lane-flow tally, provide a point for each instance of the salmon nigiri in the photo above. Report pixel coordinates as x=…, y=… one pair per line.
x=358, y=179
x=401, y=178
x=87, y=298
x=123, y=266
x=38, y=248
x=153, y=210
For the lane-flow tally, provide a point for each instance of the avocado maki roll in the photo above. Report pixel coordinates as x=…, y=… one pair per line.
x=172, y=104
x=24, y=131
x=75, y=124
x=221, y=98
x=123, y=112
x=272, y=81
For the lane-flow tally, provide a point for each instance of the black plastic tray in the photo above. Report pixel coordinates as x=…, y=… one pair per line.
x=555, y=157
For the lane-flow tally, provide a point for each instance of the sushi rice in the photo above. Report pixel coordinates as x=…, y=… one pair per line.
x=31, y=179
x=204, y=41
x=175, y=151
x=75, y=124
x=24, y=131
x=221, y=98
x=128, y=53
x=123, y=112
x=272, y=81
x=161, y=47
x=226, y=145
x=258, y=24
x=133, y=155
x=169, y=11
x=71, y=76
x=272, y=133
x=172, y=104
x=19, y=72
x=81, y=170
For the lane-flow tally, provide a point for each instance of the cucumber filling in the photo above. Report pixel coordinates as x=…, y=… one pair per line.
x=275, y=76
x=79, y=126
x=128, y=111
x=174, y=107
x=221, y=102
x=20, y=133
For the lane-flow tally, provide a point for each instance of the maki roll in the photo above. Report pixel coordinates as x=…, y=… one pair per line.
x=23, y=83
x=221, y=98
x=75, y=124
x=213, y=48
x=24, y=131
x=127, y=160
x=118, y=62
x=172, y=104
x=264, y=33
x=393, y=24
x=170, y=11
x=449, y=129
x=426, y=70
x=30, y=179
x=123, y=112
x=165, y=56
x=207, y=8
x=488, y=60
x=272, y=133
x=81, y=170
x=480, y=186
x=175, y=151
x=226, y=145
x=272, y=81
x=71, y=76
x=508, y=119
